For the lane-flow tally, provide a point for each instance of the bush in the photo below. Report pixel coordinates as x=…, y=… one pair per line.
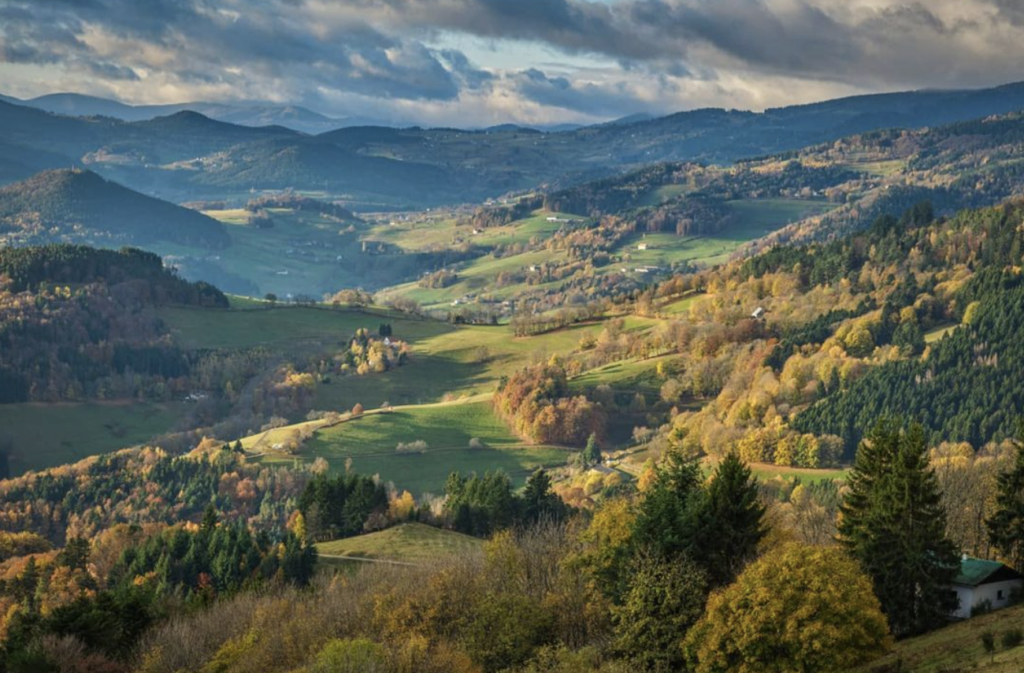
x=419, y=446
x=351, y=656
x=988, y=641
x=1011, y=638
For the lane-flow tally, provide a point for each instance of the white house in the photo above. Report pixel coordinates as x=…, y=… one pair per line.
x=758, y=313
x=985, y=583
x=642, y=246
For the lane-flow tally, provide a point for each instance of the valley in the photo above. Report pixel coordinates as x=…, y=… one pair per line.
x=658, y=395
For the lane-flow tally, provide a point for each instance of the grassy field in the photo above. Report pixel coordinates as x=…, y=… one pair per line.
x=218, y=328
x=407, y=543
x=754, y=219
x=42, y=435
x=936, y=334
x=466, y=360
x=447, y=428
x=628, y=375
x=957, y=648
x=678, y=307
x=806, y=475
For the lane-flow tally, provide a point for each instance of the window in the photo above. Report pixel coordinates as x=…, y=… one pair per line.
x=999, y=594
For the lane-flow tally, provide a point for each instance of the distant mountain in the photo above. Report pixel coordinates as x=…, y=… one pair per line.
x=631, y=119
x=275, y=164
x=78, y=205
x=293, y=117
x=189, y=155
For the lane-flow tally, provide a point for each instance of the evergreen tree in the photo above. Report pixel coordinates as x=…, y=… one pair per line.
x=539, y=502
x=592, y=452
x=665, y=598
x=665, y=516
x=729, y=522
x=893, y=522
x=1006, y=525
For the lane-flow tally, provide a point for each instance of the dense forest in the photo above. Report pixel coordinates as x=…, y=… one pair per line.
x=77, y=205
x=73, y=322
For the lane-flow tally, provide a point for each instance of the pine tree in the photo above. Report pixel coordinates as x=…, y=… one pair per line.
x=665, y=522
x=893, y=522
x=592, y=452
x=729, y=522
x=539, y=502
x=1006, y=525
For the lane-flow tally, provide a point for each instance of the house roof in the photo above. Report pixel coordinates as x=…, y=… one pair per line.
x=975, y=572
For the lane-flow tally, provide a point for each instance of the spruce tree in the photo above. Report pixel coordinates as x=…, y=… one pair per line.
x=729, y=522
x=1006, y=525
x=592, y=452
x=665, y=516
x=893, y=522
x=539, y=502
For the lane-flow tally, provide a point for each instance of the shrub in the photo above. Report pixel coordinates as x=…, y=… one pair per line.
x=988, y=641
x=419, y=446
x=351, y=656
x=1011, y=638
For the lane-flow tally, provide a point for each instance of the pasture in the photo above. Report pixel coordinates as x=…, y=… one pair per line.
x=38, y=435
x=405, y=543
x=371, y=441
x=957, y=647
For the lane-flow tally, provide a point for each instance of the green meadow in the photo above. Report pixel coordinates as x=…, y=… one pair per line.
x=40, y=435
x=405, y=543
x=371, y=442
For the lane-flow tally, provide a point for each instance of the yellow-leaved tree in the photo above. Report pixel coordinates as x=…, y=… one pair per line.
x=798, y=609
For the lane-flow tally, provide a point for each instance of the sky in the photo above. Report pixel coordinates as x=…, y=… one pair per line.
x=482, y=62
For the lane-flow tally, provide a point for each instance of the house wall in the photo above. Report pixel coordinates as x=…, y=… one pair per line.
x=966, y=596
x=972, y=596
x=990, y=592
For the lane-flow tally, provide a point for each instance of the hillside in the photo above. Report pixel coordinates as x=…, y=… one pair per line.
x=958, y=648
x=81, y=205
x=407, y=543
x=181, y=154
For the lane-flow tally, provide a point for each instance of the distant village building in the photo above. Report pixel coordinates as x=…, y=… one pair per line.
x=986, y=584
x=642, y=246
x=758, y=313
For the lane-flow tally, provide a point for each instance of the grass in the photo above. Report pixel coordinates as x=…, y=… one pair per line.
x=447, y=428
x=680, y=306
x=407, y=543
x=767, y=472
x=628, y=375
x=957, y=648
x=219, y=328
x=465, y=360
x=754, y=218
x=936, y=334
x=44, y=435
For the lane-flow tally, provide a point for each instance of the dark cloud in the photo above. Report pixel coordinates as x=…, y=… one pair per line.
x=607, y=101
x=381, y=50
x=214, y=41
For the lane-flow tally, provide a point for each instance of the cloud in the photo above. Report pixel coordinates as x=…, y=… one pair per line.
x=409, y=56
x=592, y=98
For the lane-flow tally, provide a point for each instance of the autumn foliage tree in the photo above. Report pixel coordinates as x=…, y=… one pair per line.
x=798, y=609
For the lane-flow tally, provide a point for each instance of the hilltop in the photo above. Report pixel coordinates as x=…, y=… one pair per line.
x=188, y=153
x=70, y=204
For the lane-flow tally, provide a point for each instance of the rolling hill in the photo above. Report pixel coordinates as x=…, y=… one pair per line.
x=72, y=204
x=188, y=153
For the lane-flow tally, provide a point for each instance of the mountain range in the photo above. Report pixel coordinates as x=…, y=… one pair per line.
x=188, y=155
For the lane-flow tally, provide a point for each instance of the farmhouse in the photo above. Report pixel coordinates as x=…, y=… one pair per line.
x=987, y=584
x=642, y=246
x=758, y=313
